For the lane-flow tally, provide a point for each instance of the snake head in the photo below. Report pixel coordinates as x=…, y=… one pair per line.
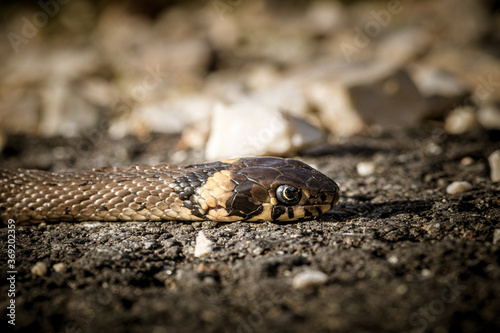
x=266, y=189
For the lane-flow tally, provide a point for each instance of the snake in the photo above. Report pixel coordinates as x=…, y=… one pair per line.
x=242, y=189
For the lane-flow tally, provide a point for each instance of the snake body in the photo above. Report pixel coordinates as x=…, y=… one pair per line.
x=253, y=189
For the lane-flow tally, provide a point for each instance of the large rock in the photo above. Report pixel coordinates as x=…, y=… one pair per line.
x=366, y=94
x=441, y=89
x=248, y=129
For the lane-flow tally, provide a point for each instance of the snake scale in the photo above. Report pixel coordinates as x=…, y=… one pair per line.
x=252, y=189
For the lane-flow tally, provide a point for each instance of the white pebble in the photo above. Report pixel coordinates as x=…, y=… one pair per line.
x=426, y=273
x=365, y=168
x=494, y=161
x=460, y=120
x=59, y=268
x=489, y=116
x=458, y=187
x=39, y=269
x=393, y=260
x=248, y=128
x=309, y=279
x=467, y=160
x=203, y=245
x=401, y=289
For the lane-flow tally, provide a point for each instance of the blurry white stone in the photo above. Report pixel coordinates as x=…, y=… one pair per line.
x=494, y=161
x=223, y=30
x=496, y=236
x=458, y=187
x=433, y=148
x=489, y=116
x=195, y=136
x=174, y=115
x=309, y=279
x=203, y=245
x=60, y=268
x=248, y=129
x=364, y=94
x=441, y=89
x=63, y=112
x=323, y=17
x=226, y=86
x=52, y=105
x=99, y=91
x=336, y=112
x=466, y=161
x=365, y=168
x=460, y=120
x=120, y=127
x=393, y=260
x=426, y=273
x=39, y=269
x=261, y=76
x=46, y=104
x=287, y=96
x=435, y=81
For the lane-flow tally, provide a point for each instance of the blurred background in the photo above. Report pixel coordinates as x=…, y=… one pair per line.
x=87, y=84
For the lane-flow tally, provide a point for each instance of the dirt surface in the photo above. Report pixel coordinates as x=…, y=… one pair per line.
x=400, y=253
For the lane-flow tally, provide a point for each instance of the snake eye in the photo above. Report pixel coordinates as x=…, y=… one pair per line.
x=288, y=195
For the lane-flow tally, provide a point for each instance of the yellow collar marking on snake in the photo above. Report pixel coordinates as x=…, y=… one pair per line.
x=251, y=189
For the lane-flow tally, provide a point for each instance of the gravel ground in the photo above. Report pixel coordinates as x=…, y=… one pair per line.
x=399, y=253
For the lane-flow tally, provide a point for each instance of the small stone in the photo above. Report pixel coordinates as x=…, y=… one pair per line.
x=401, y=289
x=458, y=187
x=203, y=245
x=426, y=273
x=494, y=160
x=309, y=279
x=496, y=236
x=148, y=245
x=365, y=168
x=433, y=81
x=60, y=268
x=433, y=148
x=39, y=269
x=467, y=160
x=460, y=120
x=393, y=260
x=489, y=117
x=441, y=89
